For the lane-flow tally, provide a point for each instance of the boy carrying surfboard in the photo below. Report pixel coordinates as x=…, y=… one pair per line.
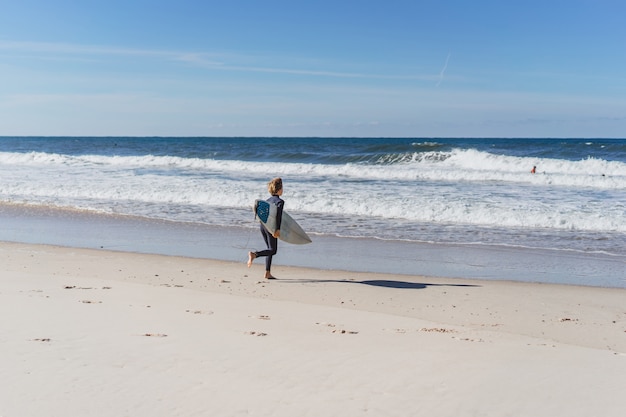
x=275, y=188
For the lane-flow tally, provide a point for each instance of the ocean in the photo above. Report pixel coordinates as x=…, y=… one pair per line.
x=464, y=192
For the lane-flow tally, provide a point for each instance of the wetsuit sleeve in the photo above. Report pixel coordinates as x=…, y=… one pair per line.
x=279, y=213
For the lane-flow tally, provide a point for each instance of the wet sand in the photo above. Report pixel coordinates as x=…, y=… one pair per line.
x=39, y=225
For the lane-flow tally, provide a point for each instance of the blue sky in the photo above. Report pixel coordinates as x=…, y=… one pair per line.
x=391, y=68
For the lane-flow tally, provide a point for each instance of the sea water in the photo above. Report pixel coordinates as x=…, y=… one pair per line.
x=474, y=191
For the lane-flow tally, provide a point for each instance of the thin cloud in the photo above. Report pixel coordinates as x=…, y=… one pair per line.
x=75, y=49
x=199, y=59
x=306, y=72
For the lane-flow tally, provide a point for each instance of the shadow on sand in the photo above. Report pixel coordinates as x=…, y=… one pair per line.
x=378, y=283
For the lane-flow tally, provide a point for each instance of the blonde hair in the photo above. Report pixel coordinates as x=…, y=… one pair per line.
x=275, y=185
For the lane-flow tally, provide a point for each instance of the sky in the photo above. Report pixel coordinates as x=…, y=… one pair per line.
x=317, y=68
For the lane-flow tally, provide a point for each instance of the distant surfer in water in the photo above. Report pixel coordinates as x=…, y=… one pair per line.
x=532, y=171
x=275, y=188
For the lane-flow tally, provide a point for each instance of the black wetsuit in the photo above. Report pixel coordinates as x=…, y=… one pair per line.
x=271, y=241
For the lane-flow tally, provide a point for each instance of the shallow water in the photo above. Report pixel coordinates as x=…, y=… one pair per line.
x=135, y=234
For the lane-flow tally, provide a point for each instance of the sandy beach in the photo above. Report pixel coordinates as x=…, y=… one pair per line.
x=102, y=333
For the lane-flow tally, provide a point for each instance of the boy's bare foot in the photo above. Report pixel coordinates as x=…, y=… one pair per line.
x=269, y=276
x=251, y=257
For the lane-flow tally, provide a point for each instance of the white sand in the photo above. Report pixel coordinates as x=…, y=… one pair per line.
x=95, y=333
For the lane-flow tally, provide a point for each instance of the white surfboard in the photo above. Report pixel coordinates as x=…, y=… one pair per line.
x=290, y=230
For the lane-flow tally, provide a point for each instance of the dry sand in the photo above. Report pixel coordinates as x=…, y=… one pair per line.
x=99, y=333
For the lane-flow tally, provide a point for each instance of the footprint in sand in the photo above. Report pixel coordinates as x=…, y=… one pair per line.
x=199, y=312
x=74, y=287
x=468, y=339
x=400, y=331
x=345, y=332
x=437, y=330
x=337, y=331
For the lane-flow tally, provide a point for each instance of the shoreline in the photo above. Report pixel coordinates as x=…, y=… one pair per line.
x=100, y=333
x=84, y=229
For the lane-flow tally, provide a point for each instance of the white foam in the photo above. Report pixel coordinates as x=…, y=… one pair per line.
x=457, y=187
